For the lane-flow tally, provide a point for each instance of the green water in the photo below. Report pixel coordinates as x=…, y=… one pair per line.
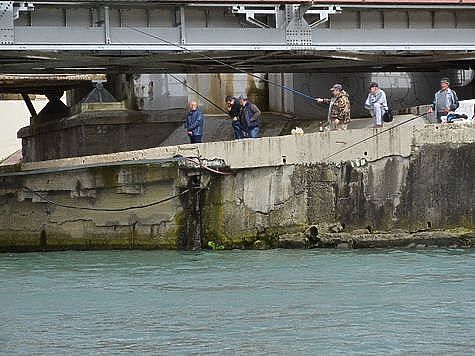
x=238, y=302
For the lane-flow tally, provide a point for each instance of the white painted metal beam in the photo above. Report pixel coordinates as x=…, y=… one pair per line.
x=222, y=39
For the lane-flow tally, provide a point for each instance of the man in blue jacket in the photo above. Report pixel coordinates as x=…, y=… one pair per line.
x=194, y=122
x=445, y=100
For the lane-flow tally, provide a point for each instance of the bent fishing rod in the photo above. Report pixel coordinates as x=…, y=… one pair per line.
x=292, y=90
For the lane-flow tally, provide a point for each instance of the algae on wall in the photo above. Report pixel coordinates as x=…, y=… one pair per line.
x=433, y=186
x=28, y=223
x=253, y=208
x=253, y=204
x=440, y=190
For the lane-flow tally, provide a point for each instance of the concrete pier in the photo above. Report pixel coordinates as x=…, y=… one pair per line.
x=385, y=191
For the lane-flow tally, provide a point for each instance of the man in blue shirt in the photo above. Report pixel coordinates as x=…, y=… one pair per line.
x=194, y=122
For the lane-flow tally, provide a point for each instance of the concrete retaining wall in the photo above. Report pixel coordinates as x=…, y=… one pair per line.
x=28, y=222
x=306, y=149
x=410, y=180
x=431, y=189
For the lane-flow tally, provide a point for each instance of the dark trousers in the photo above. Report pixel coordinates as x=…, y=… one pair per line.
x=195, y=139
x=439, y=116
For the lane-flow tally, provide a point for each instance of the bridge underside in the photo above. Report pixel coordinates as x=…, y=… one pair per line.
x=258, y=61
x=157, y=37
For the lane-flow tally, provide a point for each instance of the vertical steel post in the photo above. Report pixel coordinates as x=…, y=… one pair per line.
x=107, y=30
x=182, y=25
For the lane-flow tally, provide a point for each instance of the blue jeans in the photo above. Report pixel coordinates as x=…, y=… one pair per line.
x=195, y=139
x=253, y=132
x=238, y=131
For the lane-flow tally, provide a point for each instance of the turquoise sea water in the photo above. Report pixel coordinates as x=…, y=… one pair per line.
x=238, y=302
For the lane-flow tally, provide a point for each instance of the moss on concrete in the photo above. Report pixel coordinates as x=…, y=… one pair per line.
x=212, y=216
x=426, y=239
x=23, y=242
x=431, y=190
x=19, y=241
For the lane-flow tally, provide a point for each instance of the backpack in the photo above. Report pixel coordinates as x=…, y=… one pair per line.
x=388, y=115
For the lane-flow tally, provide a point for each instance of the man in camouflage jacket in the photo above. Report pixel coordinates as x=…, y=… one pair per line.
x=339, y=108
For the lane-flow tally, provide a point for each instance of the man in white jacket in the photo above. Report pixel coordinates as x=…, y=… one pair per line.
x=376, y=103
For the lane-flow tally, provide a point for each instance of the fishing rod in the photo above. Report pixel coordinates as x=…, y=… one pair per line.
x=272, y=83
x=373, y=136
x=184, y=82
x=198, y=93
x=225, y=64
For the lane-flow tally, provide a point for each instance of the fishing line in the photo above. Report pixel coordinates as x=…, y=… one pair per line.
x=267, y=81
x=198, y=93
x=225, y=64
x=373, y=136
x=185, y=84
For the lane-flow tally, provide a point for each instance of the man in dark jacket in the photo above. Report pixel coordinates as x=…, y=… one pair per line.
x=249, y=116
x=233, y=107
x=194, y=122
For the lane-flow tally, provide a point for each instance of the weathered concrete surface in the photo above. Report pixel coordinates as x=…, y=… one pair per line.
x=418, y=180
x=94, y=132
x=451, y=239
x=432, y=189
x=27, y=222
x=286, y=150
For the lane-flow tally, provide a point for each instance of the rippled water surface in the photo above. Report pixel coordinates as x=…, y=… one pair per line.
x=238, y=302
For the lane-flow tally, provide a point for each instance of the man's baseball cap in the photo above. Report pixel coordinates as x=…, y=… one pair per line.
x=242, y=97
x=445, y=80
x=336, y=87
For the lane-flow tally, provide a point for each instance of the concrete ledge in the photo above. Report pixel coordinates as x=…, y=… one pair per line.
x=452, y=239
x=281, y=150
